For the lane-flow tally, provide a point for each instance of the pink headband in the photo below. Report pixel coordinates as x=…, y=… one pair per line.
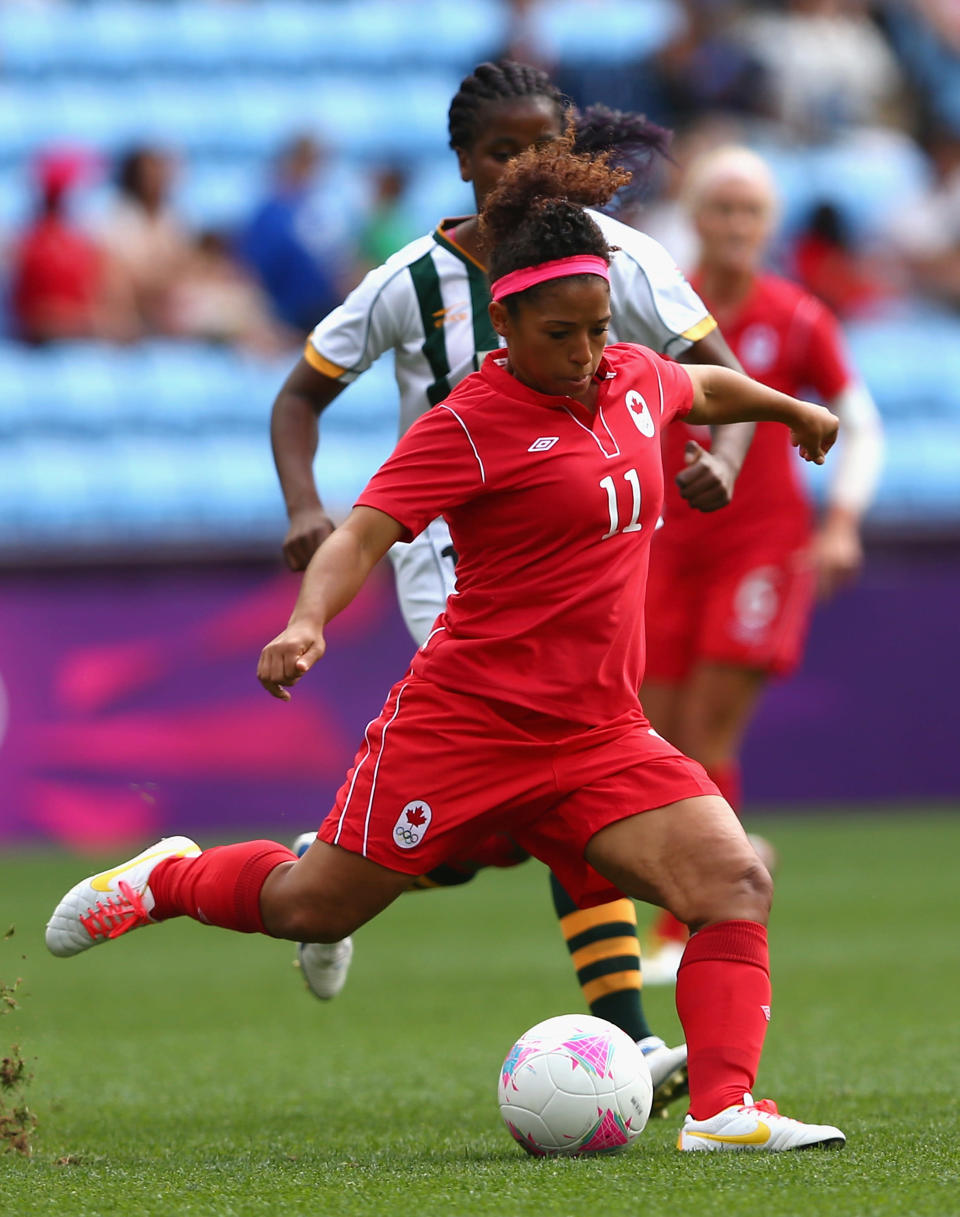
x=559, y=268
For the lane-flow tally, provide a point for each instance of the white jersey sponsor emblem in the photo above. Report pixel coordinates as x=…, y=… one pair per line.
x=543, y=443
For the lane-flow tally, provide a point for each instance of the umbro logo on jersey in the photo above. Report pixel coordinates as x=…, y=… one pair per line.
x=543, y=443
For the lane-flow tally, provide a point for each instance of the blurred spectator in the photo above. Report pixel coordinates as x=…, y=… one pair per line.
x=142, y=233
x=215, y=300
x=706, y=67
x=828, y=264
x=926, y=37
x=527, y=41
x=826, y=65
x=289, y=243
x=62, y=285
x=389, y=227
x=925, y=231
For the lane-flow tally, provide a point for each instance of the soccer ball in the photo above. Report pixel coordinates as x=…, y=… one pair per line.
x=574, y=1084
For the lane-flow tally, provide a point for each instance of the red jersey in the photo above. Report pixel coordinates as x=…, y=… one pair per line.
x=57, y=277
x=787, y=339
x=551, y=509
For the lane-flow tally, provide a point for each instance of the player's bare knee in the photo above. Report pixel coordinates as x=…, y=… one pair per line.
x=749, y=893
x=758, y=882
x=743, y=892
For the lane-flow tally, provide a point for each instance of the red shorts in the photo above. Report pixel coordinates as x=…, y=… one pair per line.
x=750, y=608
x=438, y=771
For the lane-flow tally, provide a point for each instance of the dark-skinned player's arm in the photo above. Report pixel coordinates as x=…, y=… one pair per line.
x=294, y=434
x=708, y=481
x=721, y=397
x=334, y=575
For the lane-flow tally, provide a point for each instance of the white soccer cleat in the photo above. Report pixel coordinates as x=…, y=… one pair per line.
x=325, y=966
x=668, y=1072
x=115, y=901
x=755, y=1126
x=660, y=967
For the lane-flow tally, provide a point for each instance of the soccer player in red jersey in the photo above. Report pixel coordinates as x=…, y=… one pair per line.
x=729, y=599
x=520, y=712
x=428, y=306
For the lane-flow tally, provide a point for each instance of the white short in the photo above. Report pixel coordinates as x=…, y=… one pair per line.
x=425, y=574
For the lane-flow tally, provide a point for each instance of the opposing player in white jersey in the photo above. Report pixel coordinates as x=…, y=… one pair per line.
x=429, y=305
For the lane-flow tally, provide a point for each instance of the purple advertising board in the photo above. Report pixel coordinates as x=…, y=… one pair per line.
x=129, y=705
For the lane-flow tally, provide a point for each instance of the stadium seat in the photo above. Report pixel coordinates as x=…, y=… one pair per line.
x=605, y=32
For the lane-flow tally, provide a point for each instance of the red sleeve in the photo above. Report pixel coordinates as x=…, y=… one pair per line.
x=433, y=468
x=825, y=367
x=674, y=385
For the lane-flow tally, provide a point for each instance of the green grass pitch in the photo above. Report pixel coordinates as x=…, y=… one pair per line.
x=185, y=1071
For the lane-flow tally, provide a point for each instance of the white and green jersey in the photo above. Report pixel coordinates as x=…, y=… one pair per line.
x=428, y=304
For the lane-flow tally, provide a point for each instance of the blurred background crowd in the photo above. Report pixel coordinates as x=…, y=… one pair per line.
x=187, y=186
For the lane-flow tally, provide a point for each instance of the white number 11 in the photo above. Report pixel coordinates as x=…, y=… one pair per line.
x=632, y=477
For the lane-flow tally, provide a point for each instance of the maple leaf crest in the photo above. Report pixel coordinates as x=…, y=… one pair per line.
x=416, y=816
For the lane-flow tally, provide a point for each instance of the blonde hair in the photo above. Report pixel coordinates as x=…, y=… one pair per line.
x=730, y=162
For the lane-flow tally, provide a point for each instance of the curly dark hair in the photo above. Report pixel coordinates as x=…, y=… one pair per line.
x=493, y=83
x=633, y=141
x=536, y=213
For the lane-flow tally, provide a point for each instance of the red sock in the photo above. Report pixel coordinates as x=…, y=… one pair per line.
x=723, y=999
x=727, y=779
x=220, y=887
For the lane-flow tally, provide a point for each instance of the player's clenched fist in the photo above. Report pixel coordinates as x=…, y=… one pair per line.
x=292, y=653
x=814, y=432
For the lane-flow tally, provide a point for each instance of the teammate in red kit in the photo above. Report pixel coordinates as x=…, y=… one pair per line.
x=521, y=711
x=729, y=599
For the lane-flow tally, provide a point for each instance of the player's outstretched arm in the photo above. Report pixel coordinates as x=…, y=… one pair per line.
x=294, y=434
x=721, y=396
x=335, y=574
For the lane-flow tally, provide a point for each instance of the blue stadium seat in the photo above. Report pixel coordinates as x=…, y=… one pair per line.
x=912, y=365
x=34, y=40
x=16, y=198
x=867, y=178
x=605, y=32
x=919, y=485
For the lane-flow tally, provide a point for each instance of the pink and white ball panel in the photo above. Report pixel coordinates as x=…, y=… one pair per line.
x=574, y=1084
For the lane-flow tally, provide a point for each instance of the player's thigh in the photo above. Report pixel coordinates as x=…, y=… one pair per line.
x=326, y=894
x=691, y=857
x=424, y=570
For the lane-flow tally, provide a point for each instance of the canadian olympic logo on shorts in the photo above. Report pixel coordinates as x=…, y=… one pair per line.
x=412, y=824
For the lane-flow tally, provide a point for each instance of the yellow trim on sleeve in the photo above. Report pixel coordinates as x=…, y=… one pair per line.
x=701, y=329
x=616, y=982
x=606, y=948
x=585, y=919
x=320, y=364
